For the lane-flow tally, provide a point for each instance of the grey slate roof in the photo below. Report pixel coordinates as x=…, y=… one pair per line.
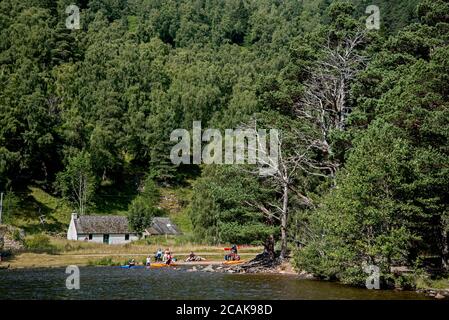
x=102, y=224
x=161, y=226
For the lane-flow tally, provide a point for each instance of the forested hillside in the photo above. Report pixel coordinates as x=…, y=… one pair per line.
x=86, y=115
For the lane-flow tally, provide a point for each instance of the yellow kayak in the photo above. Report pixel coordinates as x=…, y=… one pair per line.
x=234, y=262
x=162, y=265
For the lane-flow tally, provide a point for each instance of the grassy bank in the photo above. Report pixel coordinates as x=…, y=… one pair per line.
x=65, y=252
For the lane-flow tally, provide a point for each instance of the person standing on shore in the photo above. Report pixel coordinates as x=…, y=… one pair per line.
x=168, y=257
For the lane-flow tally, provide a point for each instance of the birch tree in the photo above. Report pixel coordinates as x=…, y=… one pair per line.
x=77, y=183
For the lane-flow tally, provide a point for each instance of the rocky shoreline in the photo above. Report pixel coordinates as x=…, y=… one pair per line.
x=439, y=294
x=256, y=266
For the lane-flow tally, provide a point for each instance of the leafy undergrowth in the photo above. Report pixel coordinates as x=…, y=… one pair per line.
x=427, y=283
x=40, y=243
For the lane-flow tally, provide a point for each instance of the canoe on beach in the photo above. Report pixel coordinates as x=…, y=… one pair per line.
x=162, y=265
x=234, y=262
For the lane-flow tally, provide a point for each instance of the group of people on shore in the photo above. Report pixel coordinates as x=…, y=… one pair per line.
x=167, y=257
x=193, y=257
x=233, y=256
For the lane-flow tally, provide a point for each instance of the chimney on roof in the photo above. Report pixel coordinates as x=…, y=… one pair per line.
x=74, y=215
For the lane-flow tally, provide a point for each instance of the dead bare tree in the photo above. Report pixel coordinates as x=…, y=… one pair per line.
x=324, y=106
x=282, y=171
x=325, y=100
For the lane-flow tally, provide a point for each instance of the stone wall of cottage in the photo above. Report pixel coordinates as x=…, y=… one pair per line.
x=2, y=235
x=7, y=242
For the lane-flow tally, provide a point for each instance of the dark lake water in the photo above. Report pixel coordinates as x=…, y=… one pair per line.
x=116, y=283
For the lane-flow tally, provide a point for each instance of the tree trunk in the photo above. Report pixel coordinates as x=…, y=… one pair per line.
x=341, y=104
x=284, y=221
x=269, y=247
x=444, y=248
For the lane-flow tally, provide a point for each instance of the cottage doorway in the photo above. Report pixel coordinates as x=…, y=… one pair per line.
x=106, y=238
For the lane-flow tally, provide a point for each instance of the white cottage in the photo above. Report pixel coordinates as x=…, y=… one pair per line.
x=100, y=229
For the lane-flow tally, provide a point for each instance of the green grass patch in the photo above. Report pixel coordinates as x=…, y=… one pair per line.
x=424, y=282
x=37, y=211
x=184, y=240
x=107, y=261
x=40, y=243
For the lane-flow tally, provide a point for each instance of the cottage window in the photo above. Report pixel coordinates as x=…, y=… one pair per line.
x=126, y=237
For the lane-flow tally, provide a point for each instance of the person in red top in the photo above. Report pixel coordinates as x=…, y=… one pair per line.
x=168, y=258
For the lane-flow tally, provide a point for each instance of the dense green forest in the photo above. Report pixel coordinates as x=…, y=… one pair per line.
x=363, y=114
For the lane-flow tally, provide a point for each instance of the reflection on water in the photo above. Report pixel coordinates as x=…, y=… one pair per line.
x=116, y=283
